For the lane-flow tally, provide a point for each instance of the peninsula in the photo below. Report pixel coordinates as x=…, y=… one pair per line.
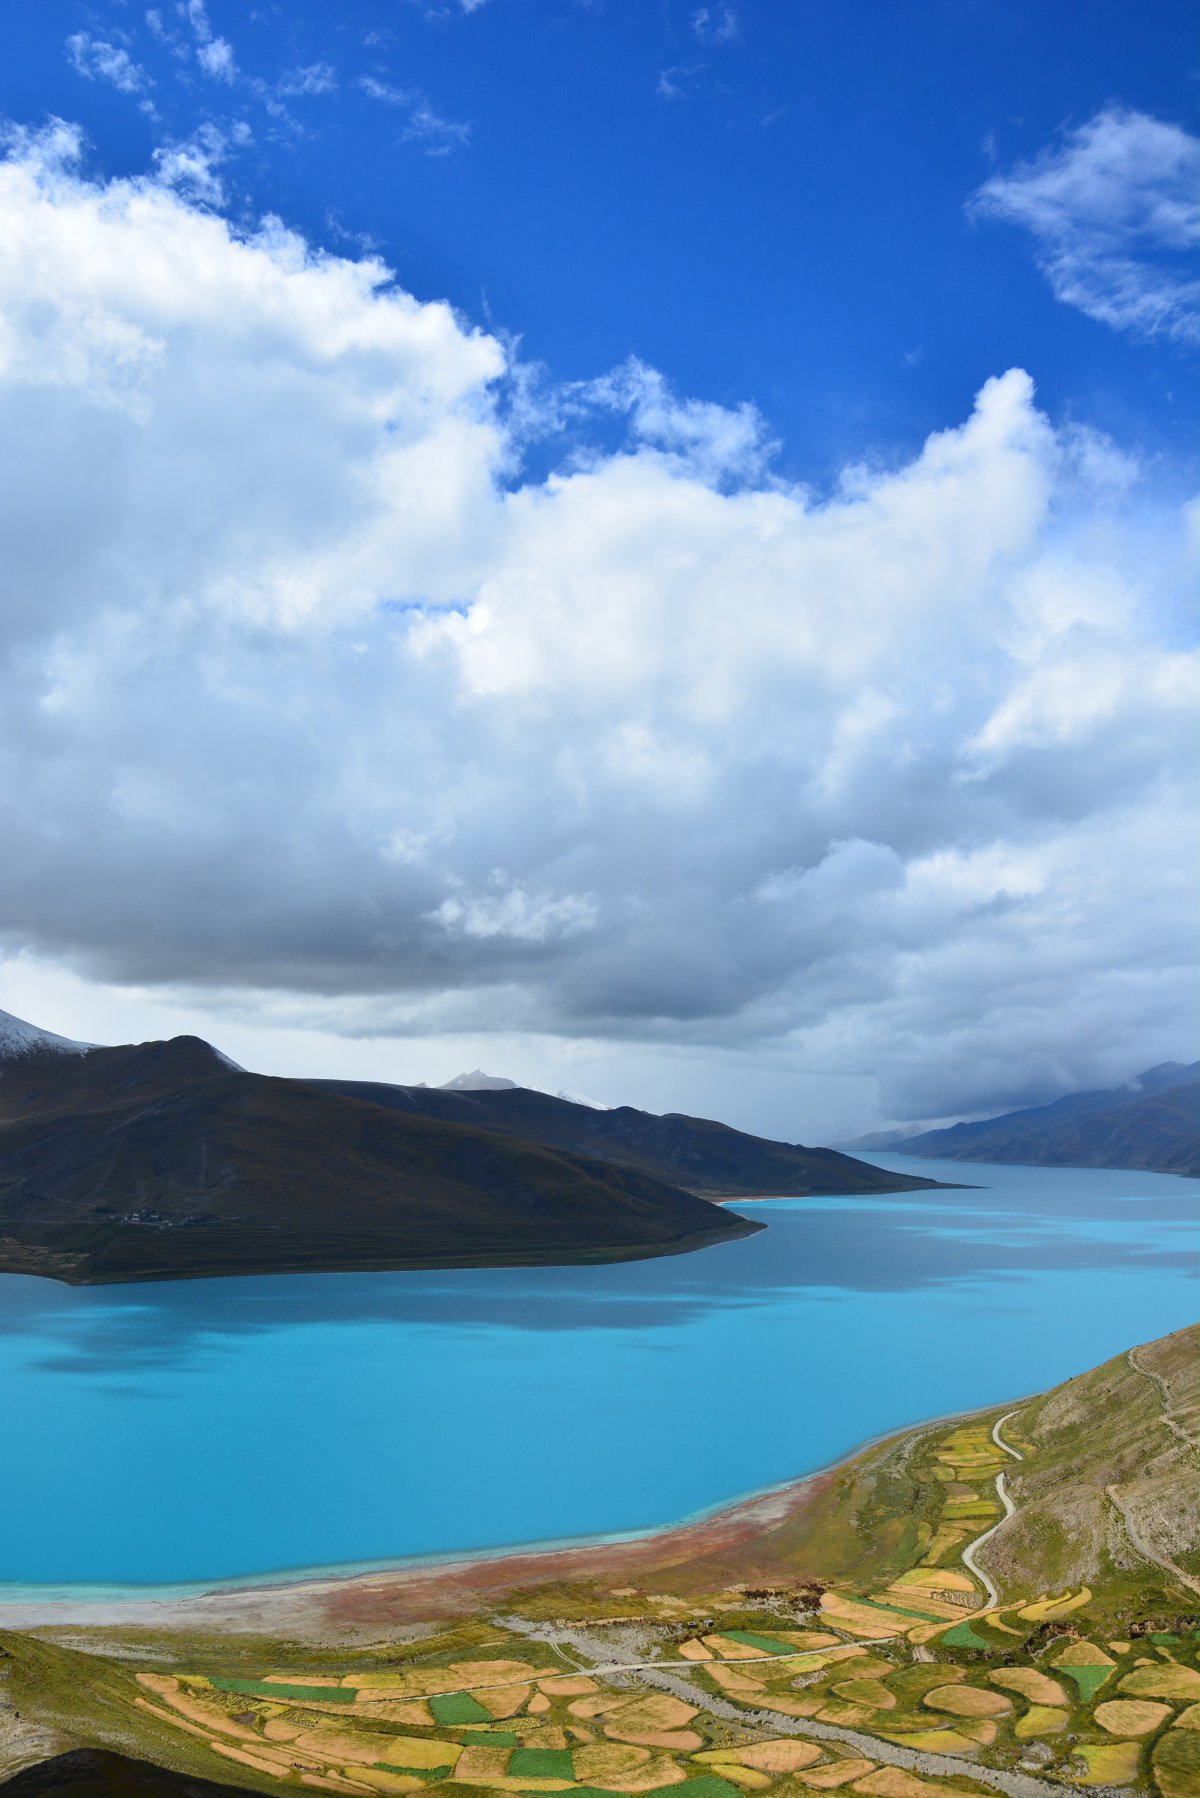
x=164, y=1160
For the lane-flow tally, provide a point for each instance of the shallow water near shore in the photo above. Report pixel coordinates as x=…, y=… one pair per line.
x=214, y=1429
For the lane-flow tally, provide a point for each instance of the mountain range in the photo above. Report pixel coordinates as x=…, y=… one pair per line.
x=164, y=1160
x=1152, y=1123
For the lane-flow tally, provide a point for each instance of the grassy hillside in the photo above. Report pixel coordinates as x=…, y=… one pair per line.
x=1112, y=1478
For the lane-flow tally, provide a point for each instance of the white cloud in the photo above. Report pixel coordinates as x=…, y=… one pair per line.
x=216, y=59
x=214, y=54
x=316, y=78
x=383, y=91
x=442, y=9
x=671, y=82
x=506, y=909
x=196, y=14
x=99, y=60
x=293, y=664
x=422, y=124
x=719, y=443
x=191, y=167
x=1115, y=212
x=716, y=24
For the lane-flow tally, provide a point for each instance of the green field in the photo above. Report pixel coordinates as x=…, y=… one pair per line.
x=458, y=1707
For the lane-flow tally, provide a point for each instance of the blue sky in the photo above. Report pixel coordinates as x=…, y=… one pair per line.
x=767, y=202
x=652, y=547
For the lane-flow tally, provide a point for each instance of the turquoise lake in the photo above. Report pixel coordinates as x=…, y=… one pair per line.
x=206, y=1430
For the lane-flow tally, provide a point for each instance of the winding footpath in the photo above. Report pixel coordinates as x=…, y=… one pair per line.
x=1167, y=1419
x=969, y=1553
x=1136, y=1539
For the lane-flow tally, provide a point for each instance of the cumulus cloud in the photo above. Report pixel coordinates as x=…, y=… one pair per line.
x=305, y=693
x=1114, y=210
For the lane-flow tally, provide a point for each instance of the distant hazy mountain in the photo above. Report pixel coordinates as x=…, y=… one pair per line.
x=1153, y=1123
x=876, y=1141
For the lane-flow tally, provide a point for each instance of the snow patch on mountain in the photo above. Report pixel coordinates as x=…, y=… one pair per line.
x=19, y=1038
x=478, y=1082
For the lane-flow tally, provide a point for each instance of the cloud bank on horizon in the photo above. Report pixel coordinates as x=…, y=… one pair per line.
x=309, y=691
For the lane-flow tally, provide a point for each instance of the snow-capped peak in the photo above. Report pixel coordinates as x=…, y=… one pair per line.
x=574, y=1098
x=478, y=1082
x=19, y=1038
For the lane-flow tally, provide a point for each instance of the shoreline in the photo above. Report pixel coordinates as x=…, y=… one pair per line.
x=356, y=1595
x=37, y=1262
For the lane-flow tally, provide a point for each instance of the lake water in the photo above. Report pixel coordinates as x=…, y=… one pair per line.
x=209, y=1429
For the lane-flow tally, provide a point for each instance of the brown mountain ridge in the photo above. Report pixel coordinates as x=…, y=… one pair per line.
x=164, y=1161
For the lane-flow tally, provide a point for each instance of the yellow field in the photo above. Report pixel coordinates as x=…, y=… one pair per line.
x=1042, y=1609
x=868, y=1692
x=596, y=1764
x=967, y=1701
x=1040, y=1720
x=1109, y=1766
x=1081, y=1654
x=1131, y=1716
x=1028, y=1683
x=1167, y=1681
x=828, y=1779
